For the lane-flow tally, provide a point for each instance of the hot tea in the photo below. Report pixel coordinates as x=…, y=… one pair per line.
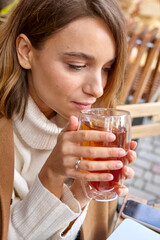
x=114, y=121
x=120, y=141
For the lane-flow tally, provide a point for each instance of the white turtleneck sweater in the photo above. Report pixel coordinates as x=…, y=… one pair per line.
x=36, y=214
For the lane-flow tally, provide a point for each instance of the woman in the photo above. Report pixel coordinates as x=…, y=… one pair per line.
x=57, y=58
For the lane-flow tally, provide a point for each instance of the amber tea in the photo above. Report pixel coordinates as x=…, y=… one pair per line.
x=120, y=141
x=119, y=123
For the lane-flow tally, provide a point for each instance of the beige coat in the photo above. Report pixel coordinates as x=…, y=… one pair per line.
x=6, y=174
x=99, y=219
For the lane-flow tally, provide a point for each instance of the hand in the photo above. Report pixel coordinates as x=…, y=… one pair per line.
x=61, y=163
x=67, y=151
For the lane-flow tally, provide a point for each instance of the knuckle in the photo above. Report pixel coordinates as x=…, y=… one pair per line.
x=108, y=166
x=67, y=149
x=113, y=152
x=87, y=165
x=62, y=136
x=101, y=177
x=64, y=150
x=68, y=173
x=90, y=165
x=84, y=135
x=87, y=177
x=109, y=152
x=91, y=152
x=102, y=136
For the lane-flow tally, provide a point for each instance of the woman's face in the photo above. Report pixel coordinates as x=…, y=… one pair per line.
x=70, y=72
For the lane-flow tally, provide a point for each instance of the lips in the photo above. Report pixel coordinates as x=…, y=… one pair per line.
x=82, y=106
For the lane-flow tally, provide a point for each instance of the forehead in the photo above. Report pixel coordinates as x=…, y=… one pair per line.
x=88, y=35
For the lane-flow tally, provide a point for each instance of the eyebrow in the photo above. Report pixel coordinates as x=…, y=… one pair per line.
x=85, y=56
x=79, y=54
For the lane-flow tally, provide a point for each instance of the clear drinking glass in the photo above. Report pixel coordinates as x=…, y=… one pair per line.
x=109, y=120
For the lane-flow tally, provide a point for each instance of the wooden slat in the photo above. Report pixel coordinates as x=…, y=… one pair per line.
x=157, y=205
x=142, y=110
x=155, y=83
x=147, y=130
x=146, y=73
x=130, y=78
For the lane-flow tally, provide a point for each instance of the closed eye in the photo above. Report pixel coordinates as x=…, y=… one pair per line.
x=107, y=69
x=76, y=67
x=109, y=65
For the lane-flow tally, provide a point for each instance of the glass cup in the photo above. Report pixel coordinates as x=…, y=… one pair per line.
x=109, y=120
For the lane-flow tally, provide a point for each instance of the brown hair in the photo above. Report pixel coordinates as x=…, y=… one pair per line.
x=39, y=20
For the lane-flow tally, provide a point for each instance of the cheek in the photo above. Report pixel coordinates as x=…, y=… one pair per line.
x=43, y=77
x=64, y=89
x=53, y=79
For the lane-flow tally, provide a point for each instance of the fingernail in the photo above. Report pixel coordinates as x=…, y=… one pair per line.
x=120, y=193
x=119, y=164
x=109, y=177
x=121, y=153
x=111, y=137
x=126, y=170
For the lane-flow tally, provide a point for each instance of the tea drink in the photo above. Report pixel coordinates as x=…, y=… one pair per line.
x=120, y=141
x=109, y=120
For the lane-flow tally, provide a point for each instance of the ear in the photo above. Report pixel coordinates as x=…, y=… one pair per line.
x=24, y=47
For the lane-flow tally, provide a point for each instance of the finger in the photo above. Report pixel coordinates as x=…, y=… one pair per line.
x=122, y=191
x=72, y=124
x=133, y=145
x=92, y=135
x=128, y=172
x=99, y=165
x=88, y=176
x=96, y=152
x=131, y=156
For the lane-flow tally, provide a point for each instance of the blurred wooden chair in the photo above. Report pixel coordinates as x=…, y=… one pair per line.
x=142, y=110
x=149, y=78
x=135, y=35
x=142, y=67
x=152, y=90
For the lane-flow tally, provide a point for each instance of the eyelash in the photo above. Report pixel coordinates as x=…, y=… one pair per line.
x=79, y=67
x=107, y=69
x=76, y=67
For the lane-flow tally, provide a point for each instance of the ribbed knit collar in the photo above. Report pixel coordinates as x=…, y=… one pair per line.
x=36, y=130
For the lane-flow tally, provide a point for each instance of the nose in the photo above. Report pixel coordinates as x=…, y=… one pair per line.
x=95, y=84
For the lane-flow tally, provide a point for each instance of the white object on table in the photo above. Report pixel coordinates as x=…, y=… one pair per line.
x=131, y=230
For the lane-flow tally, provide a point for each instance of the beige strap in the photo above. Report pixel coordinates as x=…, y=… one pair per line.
x=6, y=174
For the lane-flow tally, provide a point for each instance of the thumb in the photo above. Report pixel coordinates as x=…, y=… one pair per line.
x=72, y=125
